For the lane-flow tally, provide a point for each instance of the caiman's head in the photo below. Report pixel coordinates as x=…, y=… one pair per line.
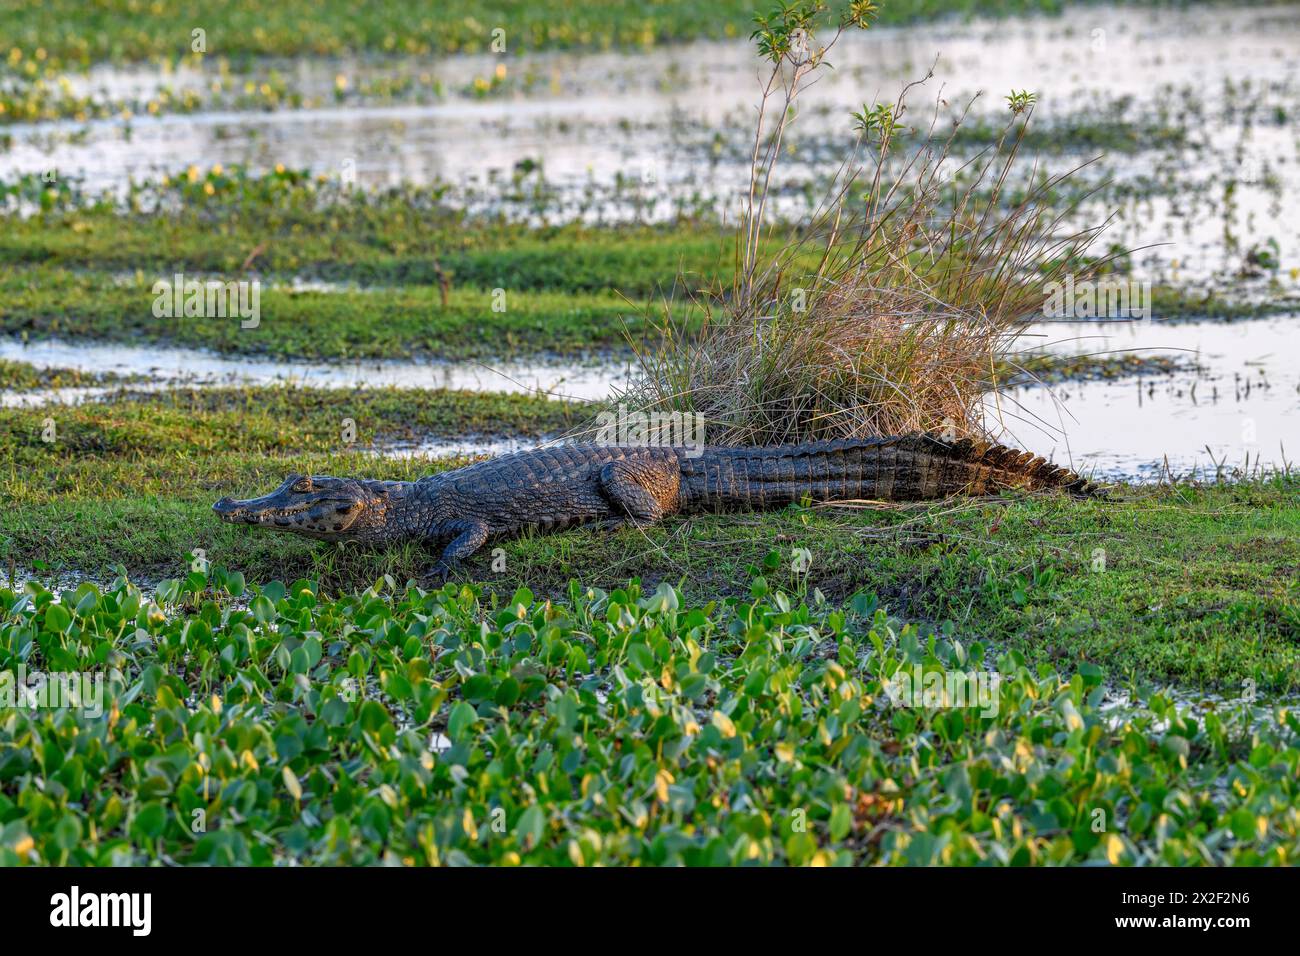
x=316, y=506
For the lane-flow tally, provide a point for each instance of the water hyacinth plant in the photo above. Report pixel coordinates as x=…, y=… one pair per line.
x=892, y=309
x=272, y=725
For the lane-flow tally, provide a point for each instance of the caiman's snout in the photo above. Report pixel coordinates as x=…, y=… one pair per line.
x=240, y=512
x=316, y=506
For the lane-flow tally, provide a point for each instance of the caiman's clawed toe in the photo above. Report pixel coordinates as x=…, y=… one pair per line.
x=437, y=574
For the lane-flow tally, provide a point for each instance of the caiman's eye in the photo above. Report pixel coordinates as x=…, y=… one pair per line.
x=302, y=486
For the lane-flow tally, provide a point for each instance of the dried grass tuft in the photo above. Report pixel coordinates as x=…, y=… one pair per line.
x=890, y=311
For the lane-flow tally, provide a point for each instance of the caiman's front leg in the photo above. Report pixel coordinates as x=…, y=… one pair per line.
x=470, y=535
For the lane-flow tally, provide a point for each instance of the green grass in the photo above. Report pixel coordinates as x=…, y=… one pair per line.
x=621, y=727
x=250, y=425
x=73, y=34
x=246, y=44
x=22, y=377
x=377, y=323
x=86, y=268
x=632, y=261
x=385, y=322
x=1198, y=586
x=44, y=42
x=122, y=31
x=286, y=224
x=89, y=270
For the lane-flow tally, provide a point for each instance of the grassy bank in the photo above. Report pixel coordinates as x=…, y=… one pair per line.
x=1196, y=587
x=409, y=320
x=408, y=276
x=258, y=423
x=1192, y=584
x=87, y=269
x=337, y=238
x=350, y=323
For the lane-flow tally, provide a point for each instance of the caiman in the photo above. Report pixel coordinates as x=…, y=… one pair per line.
x=556, y=487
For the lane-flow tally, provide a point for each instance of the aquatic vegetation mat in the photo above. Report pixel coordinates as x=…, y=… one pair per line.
x=226, y=723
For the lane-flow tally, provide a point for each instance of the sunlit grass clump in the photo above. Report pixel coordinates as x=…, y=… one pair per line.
x=896, y=306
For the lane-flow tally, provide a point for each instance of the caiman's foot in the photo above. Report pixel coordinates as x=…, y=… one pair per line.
x=438, y=573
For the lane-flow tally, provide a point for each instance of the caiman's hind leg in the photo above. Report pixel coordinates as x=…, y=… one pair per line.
x=470, y=536
x=642, y=490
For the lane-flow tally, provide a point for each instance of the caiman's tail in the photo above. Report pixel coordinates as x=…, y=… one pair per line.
x=1004, y=467
x=902, y=468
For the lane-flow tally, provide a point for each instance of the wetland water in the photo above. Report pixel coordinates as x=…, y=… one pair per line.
x=672, y=122
x=1242, y=396
x=167, y=365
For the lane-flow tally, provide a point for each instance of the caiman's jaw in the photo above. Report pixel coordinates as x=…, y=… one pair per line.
x=316, y=506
